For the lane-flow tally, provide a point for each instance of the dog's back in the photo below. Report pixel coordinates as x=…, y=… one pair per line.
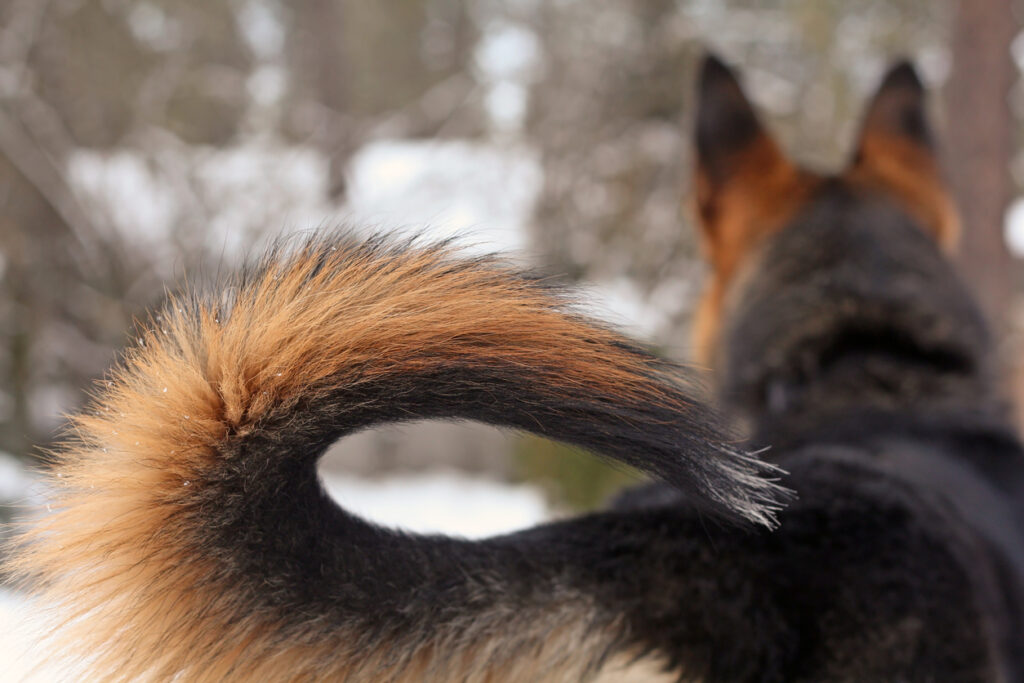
x=844, y=338
x=857, y=346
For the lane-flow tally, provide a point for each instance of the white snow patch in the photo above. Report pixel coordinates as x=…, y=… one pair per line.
x=508, y=51
x=262, y=28
x=152, y=26
x=506, y=103
x=167, y=193
x=18, y=485
x=222, y=198
x=508, y=59
x=484, y=193
x=444, y=502
x=623, y=303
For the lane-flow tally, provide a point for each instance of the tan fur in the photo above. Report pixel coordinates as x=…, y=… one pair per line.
x=910, y=174
x=113, y=560
x=763, y=191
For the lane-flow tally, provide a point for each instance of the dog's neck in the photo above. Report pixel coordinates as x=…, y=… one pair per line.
x=867, y=381
x=853, y=311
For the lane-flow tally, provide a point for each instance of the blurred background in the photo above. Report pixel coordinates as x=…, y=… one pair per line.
x=144, y=143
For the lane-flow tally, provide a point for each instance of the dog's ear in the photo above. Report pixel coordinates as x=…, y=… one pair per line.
x=727, y=127
x=732, y=145
x=896, y=152
x=745, y=188
x=899, y=109
x=738, y=162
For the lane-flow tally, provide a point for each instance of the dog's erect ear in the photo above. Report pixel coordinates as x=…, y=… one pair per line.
x=745, y=188
x=896, y=152
x=899, y=109
x=735, y=154
x=727, y=126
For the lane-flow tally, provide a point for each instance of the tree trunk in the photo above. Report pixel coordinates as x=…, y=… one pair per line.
x=979, y=134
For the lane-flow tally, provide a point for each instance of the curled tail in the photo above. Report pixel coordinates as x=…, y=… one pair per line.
x=190, y=535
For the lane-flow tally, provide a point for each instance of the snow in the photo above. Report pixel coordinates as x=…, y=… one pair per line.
x=508, y=51
x=16, y=482
x=482, y=193
x=151, y=26
x=623, y=303
x=262, y=28
x=442, y=502
x=508, y=58
x=168, y=193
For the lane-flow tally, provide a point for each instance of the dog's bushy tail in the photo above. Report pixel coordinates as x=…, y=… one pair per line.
x=190, y=536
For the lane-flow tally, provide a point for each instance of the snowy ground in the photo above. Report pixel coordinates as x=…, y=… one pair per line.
x=442, y=502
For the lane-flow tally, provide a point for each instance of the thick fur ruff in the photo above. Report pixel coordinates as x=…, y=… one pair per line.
x=190, y=536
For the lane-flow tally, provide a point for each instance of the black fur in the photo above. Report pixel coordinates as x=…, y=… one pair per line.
x=726, y=123
x=899, y=107
x=856, y=353
x=852, y=349
x=864, y=312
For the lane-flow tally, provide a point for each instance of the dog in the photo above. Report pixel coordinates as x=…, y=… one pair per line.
x=843, y=341
x=841, y=336
x=191, y=540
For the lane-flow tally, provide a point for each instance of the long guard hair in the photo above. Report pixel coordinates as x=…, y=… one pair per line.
x=190, y=538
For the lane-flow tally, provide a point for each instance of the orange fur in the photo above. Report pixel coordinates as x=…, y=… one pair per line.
x=911, y=175
x=763, y=191
x=117, y=557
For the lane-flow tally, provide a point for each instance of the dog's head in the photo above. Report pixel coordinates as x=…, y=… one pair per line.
x=800, y=259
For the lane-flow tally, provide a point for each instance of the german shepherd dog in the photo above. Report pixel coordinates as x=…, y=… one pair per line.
x=842, y=337
x=190, y=539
